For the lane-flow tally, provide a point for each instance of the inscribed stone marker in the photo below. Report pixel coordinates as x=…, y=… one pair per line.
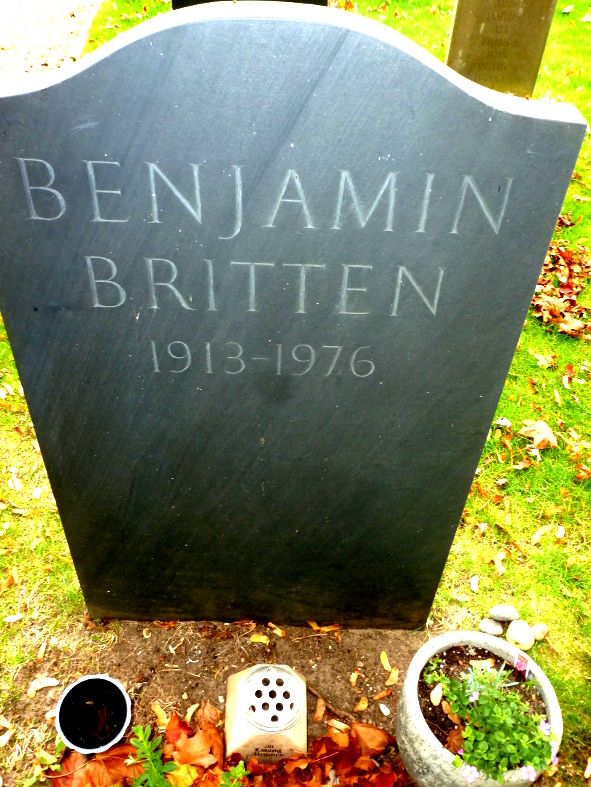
x=500, y=43
x=263, y=268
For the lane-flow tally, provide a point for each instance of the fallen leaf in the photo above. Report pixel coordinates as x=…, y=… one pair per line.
x=393, y=676
x=341, y=726
x=276, y=630
x=474, y=581
x=320, y=709
x=196, y=750
x=587, y=774
x=361, y=705
x=39, y=683
x=546, y=361
x=10, y=578
x=261, y=639
x=5, y=737
x=340, y=738
x=4, y=723
x=323, y=629
x=72, y=766
x=190, y=711
x=297, y=762
x=498, y=561
x=540, y=434
x=385, y=661
x=107, y=769
x=560, y=533
x=162, y=717
x=41, y=652
x=14, y=618
x=540, y=533
x=353, y=677
x=455, y=740
x=207, y=713
x=175, y=728
x=183, y=776
x=583, y=472
x=372, y=740
x=382, y=695
x=453, y=717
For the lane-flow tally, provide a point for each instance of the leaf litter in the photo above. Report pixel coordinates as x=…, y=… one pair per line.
x=564, y=276
x=357, y=755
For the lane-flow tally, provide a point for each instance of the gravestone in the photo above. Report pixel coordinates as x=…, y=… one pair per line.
x=500, y=43
x=263, y=268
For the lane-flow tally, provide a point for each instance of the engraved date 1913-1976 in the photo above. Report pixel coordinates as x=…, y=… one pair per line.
x=231, y=358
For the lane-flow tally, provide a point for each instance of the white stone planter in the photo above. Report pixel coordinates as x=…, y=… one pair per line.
x=426, y=760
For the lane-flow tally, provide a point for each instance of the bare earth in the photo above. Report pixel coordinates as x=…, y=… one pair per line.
x=185, y=663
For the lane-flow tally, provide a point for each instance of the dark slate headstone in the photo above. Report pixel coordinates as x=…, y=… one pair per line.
x=263, y=268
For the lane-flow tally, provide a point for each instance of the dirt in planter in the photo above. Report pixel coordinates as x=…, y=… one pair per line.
x=455, y=663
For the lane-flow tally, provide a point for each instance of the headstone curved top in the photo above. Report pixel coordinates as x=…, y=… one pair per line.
x=263, y=268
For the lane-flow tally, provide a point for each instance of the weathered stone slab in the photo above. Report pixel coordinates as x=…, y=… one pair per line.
x=263, y=269
x=500, y=43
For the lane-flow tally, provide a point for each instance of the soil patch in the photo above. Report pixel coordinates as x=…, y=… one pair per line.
x=179, y=664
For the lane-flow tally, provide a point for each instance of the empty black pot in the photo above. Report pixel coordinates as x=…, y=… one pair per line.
x=93, y=714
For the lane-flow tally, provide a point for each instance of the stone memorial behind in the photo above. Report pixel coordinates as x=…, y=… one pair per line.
x=263, y=268
x=500, y=43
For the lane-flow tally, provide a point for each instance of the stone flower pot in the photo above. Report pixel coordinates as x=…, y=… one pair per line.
x=424, y=757
x=93, y=714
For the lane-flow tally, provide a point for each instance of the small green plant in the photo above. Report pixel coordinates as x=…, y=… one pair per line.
x=234, y=776
x=149, y=754
x=499, y=730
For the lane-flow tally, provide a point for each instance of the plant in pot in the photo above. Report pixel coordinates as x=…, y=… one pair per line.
x=476, y=709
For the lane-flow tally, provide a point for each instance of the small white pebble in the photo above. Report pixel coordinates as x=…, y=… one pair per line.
x=520, y=633
x=540, y=631
x=436, y=695
x=490, y=626
x=503, y=613
x=385, y=709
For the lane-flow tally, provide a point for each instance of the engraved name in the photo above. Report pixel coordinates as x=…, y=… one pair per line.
x=288, y=200
x=155, y=286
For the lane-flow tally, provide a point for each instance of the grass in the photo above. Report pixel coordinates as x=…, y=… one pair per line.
x=525, y=533
x=116, y=16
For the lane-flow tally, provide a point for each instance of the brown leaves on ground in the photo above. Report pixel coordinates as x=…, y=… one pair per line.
x=194, y=751
x=348, y=757
x=540, y=434
x=203, y=747
x=103, y=770
x=565, y=274
x=352, y=756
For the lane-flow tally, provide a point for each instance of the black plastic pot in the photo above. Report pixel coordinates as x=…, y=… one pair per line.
x=93, y=714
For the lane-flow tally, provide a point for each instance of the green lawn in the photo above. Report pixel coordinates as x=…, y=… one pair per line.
x=526, y=530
